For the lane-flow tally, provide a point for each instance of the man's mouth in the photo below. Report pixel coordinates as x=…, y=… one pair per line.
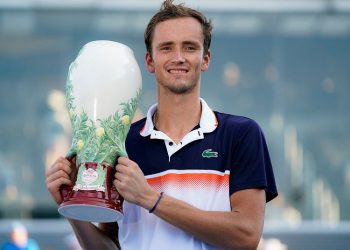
x=177, y=71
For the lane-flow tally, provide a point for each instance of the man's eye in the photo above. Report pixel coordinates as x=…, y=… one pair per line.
x=190, y=48
x=165, y=48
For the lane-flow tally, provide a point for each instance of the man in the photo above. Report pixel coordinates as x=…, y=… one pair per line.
x=194, y=179
x=19, y=239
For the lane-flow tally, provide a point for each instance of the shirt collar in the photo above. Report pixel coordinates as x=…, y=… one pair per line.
x=207, y=123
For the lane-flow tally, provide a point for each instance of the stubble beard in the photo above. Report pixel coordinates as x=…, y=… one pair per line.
x=182, y=89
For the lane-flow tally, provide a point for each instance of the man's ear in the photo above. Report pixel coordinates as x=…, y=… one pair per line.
x=149, y=62
x=206, y=61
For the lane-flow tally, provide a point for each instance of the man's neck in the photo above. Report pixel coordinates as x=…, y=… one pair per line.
x=177, y=115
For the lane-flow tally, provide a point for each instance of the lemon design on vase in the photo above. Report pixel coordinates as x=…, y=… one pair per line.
x=98, y=143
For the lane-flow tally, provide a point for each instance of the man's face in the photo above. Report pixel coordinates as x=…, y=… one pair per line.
x=177, y=55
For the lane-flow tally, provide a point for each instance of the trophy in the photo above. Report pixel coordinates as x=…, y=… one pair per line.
x=102, y=91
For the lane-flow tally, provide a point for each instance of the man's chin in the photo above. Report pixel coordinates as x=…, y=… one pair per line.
x=181, y=89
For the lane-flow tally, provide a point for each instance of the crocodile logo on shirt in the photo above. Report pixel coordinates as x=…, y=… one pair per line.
x=208, y=153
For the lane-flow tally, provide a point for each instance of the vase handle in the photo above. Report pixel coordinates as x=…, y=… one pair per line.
x=65, y=190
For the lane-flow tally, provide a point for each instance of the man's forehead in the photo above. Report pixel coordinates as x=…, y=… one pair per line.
x=174, y=23
x=184, y=29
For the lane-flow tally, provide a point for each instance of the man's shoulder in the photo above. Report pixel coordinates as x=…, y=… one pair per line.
x=236, y=126
x=136, y=127
x=235, y=120
x=139, y=123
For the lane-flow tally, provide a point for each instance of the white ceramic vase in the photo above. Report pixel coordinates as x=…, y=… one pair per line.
x=103, y=88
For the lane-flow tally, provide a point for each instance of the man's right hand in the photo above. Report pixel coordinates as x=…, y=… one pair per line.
x=62, y=172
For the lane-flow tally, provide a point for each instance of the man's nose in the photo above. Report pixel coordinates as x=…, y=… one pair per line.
x=178, y=56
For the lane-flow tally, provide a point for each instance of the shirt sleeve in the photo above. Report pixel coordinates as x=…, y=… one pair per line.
x=251, y=165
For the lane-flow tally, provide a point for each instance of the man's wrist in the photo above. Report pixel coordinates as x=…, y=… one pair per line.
x=157, y=202
x=148, y=200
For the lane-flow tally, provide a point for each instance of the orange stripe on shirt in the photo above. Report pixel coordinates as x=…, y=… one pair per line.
x=195, y=180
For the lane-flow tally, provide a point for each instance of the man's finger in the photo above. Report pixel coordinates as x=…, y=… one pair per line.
x=124, y=161
x=56, y=175
x=55, y=185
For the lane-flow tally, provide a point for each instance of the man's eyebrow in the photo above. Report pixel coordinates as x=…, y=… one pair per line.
x=191, y=43
x=167, y=43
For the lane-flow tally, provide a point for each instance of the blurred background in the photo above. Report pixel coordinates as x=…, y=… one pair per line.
x=284, y=63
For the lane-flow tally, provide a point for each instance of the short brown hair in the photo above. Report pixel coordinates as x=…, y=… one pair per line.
x=167, y=11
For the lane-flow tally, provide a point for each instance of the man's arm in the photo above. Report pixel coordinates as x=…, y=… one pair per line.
x=240, y=228
x=103, y=236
